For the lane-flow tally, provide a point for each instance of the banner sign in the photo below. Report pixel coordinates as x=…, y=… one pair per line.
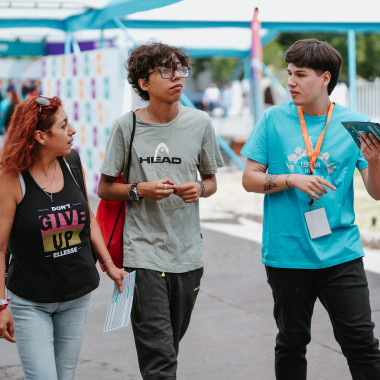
x=94, y=91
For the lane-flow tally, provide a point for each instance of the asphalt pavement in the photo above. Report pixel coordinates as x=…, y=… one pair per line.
x=232, y=332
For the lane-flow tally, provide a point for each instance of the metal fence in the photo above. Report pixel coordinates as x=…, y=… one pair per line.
x=368, y=98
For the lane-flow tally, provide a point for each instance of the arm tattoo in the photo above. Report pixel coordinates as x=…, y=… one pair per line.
x=262, y=168
x=286, y=180
x=270, y=184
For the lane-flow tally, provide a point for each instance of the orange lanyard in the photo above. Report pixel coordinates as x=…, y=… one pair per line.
x=313, y=155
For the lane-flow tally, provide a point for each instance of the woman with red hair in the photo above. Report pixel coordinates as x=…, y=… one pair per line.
x=51, y=232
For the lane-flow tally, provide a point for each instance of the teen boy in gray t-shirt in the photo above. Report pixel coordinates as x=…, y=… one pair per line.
x=162, y=235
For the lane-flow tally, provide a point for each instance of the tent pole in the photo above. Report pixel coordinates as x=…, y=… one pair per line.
x=120, y=25
x=68, y=38
x=250, y=95
x=102, y=40
x=238, y=70
x=76, y=48
x=352, y=67
x=256, y=66
x=269, y=37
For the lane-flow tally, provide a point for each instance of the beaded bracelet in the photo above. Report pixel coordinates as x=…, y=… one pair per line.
x=107, y=261
x=202, y=186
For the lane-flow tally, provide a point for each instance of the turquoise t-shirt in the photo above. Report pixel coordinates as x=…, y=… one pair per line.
x=277, y=142
x=4, y=105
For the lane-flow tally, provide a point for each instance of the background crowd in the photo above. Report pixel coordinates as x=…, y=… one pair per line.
x=10, y=97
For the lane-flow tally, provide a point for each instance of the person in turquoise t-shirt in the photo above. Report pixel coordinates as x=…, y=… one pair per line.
x=311, y=246
x=4, y=105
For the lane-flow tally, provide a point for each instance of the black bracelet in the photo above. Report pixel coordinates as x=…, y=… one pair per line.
x=203, y=188
x=286, y=181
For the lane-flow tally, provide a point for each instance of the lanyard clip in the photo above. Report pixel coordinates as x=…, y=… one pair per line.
x=312, y=200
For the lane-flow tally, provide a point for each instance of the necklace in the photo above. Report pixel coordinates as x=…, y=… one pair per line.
x=150, y=120
x=147, y=114
x=52, y=182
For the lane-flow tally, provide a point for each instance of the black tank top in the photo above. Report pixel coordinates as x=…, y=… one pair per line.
x=50, y=241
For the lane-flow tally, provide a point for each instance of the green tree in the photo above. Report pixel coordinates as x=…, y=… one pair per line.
x=222, y=68
x=367, y=51
x=368, y=55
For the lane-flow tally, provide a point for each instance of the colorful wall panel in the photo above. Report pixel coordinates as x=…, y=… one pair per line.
x=94, y=90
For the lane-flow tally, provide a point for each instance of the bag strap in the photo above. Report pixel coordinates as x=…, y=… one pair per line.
x=74, y=162
x=75, y=167
x=130, y=147
x=126, y=181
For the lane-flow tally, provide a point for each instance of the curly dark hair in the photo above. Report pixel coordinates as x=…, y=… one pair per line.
x=148, y=57
x=317, y=55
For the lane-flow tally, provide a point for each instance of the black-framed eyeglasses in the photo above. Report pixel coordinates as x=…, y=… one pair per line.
x=42, y=101
x=168, y=72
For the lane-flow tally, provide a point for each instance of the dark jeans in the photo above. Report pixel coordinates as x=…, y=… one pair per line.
x=161, y=312
x=343, y=291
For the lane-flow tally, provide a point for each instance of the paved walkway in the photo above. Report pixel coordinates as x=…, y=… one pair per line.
x=232, y=332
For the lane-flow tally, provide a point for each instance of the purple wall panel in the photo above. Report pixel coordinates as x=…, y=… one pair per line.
x=53, y=48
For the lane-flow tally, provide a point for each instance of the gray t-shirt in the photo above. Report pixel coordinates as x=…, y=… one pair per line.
x=163, y=235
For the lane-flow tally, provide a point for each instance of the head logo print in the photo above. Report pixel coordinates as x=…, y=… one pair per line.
x=161, y=147
x=161, y=156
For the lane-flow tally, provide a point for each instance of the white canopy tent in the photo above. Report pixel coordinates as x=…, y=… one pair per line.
x=204, y=27
x=49, y=19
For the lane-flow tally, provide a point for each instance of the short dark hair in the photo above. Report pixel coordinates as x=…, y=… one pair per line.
x=317, y=55
x=149, y=56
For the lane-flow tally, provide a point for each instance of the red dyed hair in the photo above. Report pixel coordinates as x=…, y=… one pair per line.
x=20, y=148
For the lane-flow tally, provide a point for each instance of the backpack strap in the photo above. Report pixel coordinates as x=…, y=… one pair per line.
x=130, y=146
x=75, y=165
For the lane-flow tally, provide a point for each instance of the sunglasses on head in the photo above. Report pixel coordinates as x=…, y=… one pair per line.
x=42, y=101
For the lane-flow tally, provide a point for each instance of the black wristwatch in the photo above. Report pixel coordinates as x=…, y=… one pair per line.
x=133, y=194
